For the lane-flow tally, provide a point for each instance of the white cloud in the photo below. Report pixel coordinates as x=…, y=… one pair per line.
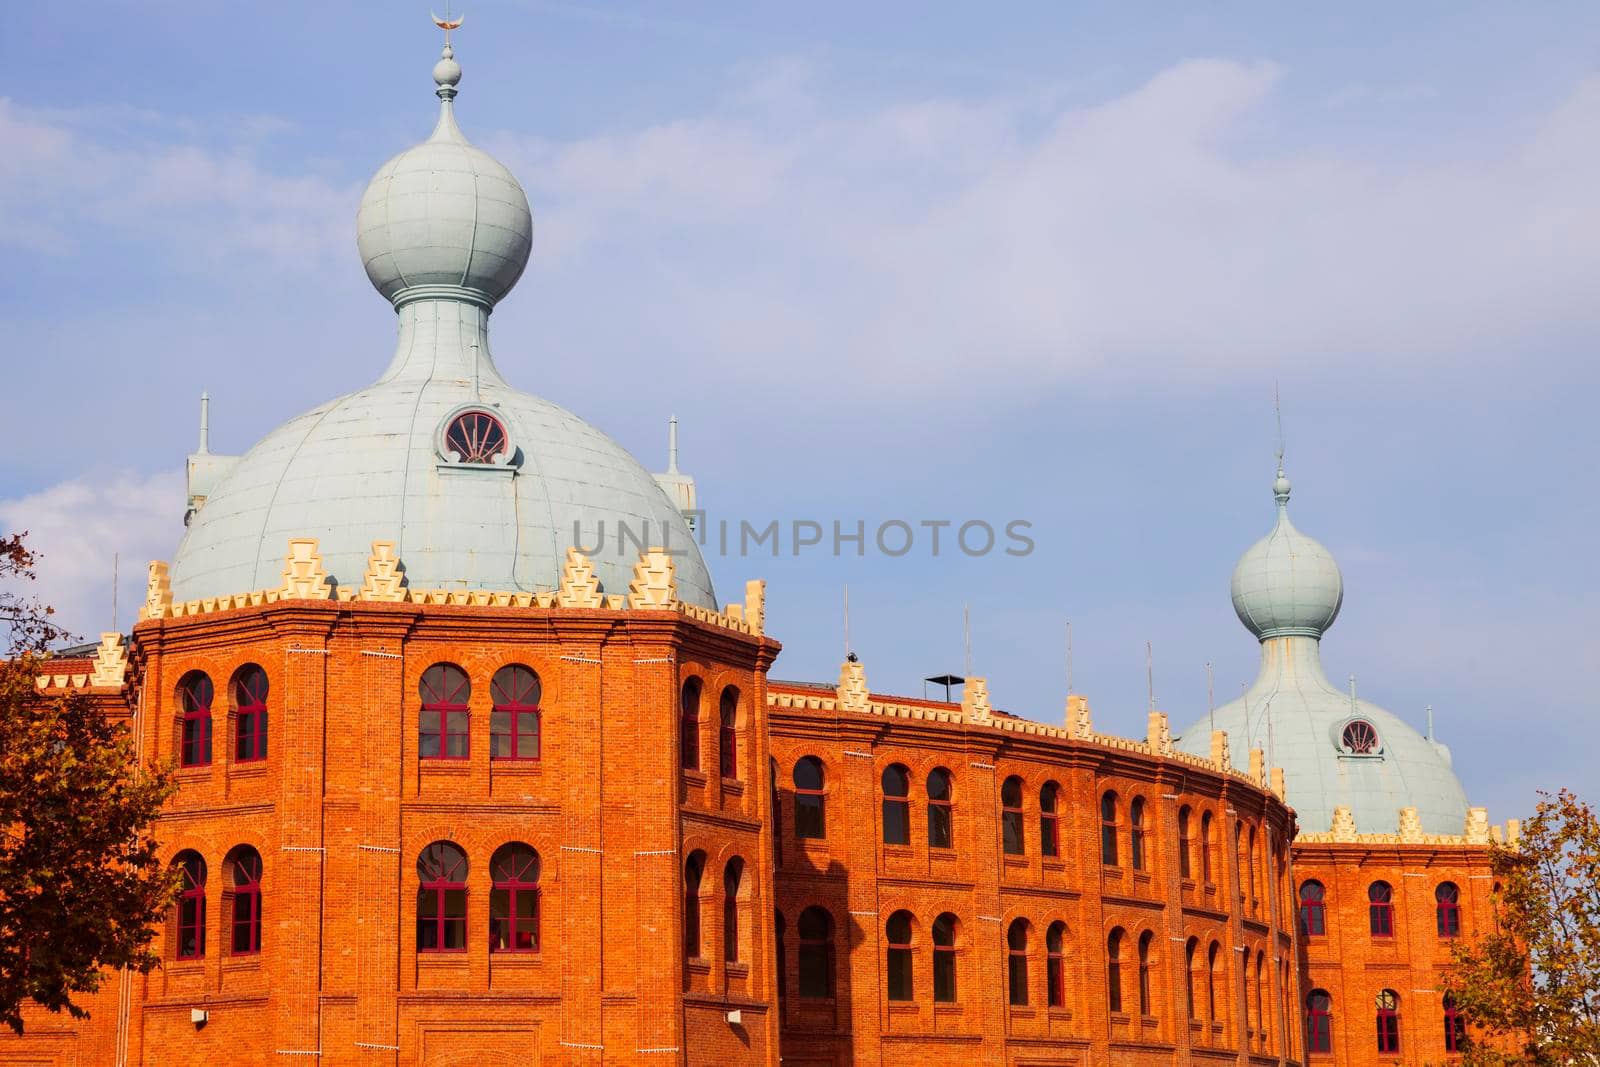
x=77, y=527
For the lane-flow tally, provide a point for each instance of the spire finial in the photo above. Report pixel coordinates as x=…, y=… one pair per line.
x=205, y=423
x=672, y=444
x=1280, y=485
x=447, y=72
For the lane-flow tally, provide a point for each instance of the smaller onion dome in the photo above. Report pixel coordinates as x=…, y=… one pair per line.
x=444, y=218
x=1287, y=583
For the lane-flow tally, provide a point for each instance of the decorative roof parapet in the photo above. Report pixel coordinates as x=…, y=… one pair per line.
x=158, y=592
x=755, y=605
x=1159, y=733
x=110, y=661
x=385, y=579
x=852, y=693
x=655, y=583
x=975, y=700
x=1221, y=758
x=1343, y=826
x=303, y=575
x=1478, y=826
x=1410, y=826
x=1476, y=831
x=1258, y=767
x=1079, y=723
x=579, y=586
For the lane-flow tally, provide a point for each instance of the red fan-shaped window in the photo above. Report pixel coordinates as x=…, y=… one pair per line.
x=475, y=437
x=1360, y=738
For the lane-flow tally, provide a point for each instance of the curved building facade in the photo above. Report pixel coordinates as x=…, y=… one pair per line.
x=474, y=769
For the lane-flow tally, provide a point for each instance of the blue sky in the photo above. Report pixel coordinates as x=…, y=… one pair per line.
x=895, y=261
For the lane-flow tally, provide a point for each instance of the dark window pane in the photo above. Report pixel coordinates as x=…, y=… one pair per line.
x=808, y=816
x=1017, y=979
x=944, y=976
x=939, y=835
x=1011, y=832
x=899, y=974
x=1048, y=843
x=896, y=822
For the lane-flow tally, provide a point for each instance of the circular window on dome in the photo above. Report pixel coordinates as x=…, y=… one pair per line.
x=1360, y=738
x=476, y=436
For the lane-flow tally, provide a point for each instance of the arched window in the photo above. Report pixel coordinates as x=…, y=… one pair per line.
x=1055, y=964
x=442, y=898
x=1145, y=1005
x=1380, y=909
x=1191, y=952
x=475, y=437
x=514, y=722
x=1388, y=1006
x=250, y=714
x=1313, y=912
x=777, y=814
x=1011, y=817
x=944, y=959
x=941, y=829
x=514, y=899
x=1360, y=738
x=1319, y=1021
x=728, y=733
x=1255, y=887
x=1185, y=866
x=689, y=725
x=1049, y=827
x=896, y=805
x=1261, y=994
x=816, y=953
x=810, y=816
x=1455, y=1027
x=442, y=730
x=1114, y=970
x=1017, y=962
x=732, y=879
x=1239, y=861
x=1213, y=978
x=1136, y=833
x=783, y=957
x=191, y=918
x=1108, y=829
x=244, y=869
x=694, y=869
x=194, y=698
x=1206, y=845
x=898, y=932
x=1447, y=909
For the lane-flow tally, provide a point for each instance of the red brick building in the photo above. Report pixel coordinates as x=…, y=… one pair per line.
x=465, y=778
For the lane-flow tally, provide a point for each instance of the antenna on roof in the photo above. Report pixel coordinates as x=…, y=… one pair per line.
x=1150, y=674
x=1430, y=722
x=116, y=558
x=1277, y=411
x=1211, y=696
x=672, y=444
x=847, y=620
x=205, y=423
x=966, y=639
x=1069, y=657
x=1352, y=694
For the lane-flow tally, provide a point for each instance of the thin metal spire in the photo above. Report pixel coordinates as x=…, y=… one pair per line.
x=116, y=559
x=672, y=444
x=1211, y=696
x=847, y=620
x=205, y=423
x=1277, y=411
x=1150, y=674
x=1069, y=657
x=966, y=640
x=1430, y=722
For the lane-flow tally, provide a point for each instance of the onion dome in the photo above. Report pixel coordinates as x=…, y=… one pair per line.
x=1287, y=583
x=444, y=217
x=479, y=484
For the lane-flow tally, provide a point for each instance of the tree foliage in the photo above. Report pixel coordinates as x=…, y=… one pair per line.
x=1532, y=988
x=81, y=885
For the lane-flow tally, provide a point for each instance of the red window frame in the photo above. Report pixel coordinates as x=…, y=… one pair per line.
x=941, y=809
x=810, y=799
x=245, y=867
x=899, y=984
x=514, y=721
x=513, y=879
x=1145, y=1007
x=445, y=691
x=190, y=920
x=1319, y=1021
x=816, y=953
x=694, y=870
x=1380, y=909
x=1388, y=1018
x=441, y=872
x=250, y=716
x=1049, y=820
x=1055, y=965
x=1017, y=963
x=195, y=696
x=896, y=783
x=1185, y=843
x=945, y=990
x=1114, y=971
x=1455, y=1025
x=1447, y=908
x=1136, y=856
x=1013, y=839
x=1108, y=829
x=1313, y=909
x=728, y=734
x=1360, y=738
x=475, y=437
x=689, y=725
x=732, y=878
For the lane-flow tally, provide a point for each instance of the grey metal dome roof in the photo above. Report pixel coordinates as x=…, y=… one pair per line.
x=373, y=465
x=1287, y=591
